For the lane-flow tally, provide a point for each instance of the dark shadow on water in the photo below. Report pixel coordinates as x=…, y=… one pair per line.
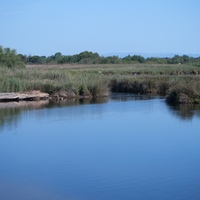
x=76, y=102
x=133, y=97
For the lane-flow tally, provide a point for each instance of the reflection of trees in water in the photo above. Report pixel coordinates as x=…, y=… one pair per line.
x=185, y=111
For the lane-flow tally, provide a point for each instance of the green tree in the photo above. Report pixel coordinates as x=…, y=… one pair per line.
x=138, y=58
x=9, y=58
x=23, y=58
x=133, y=59
x=176, y=59
x=36, y=59
x=186, y=59
x=127, y=59
x=87, y=57
x=57, y=57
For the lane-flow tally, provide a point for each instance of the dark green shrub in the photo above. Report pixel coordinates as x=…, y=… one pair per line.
x=9, y=58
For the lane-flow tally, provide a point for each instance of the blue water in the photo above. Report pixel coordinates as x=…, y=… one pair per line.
x=123, y=148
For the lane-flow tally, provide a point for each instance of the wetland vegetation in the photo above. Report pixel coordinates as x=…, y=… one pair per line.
x=176, y=78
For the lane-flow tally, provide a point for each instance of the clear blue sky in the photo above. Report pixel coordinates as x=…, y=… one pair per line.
x=44, y=27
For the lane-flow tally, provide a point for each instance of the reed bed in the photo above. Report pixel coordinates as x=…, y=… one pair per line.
x=52, y=80
x=180, y=84
x=177, y=89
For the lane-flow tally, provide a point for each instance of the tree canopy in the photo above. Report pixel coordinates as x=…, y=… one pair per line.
x=87, y=57
x=10, y=58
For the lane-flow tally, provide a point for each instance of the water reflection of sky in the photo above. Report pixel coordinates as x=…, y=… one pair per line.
x=120, y=148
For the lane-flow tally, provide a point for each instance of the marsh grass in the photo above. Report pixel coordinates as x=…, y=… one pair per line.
x=179, y=83
x=143, y=84
x=52, y=80
x=187, y=91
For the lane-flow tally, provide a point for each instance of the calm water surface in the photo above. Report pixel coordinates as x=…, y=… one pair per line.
x=126, y=147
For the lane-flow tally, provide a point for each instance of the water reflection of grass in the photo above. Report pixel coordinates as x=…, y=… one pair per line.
x=7, y=116
x=10, y=112
x=185, y=111
x=77, y=102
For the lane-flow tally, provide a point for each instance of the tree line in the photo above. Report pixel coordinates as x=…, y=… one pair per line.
x=10, y=58
x=87, y=57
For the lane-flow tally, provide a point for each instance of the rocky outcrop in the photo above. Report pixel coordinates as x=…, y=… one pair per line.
x=25, y=96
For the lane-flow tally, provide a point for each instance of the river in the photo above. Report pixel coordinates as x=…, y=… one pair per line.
x=126, y=147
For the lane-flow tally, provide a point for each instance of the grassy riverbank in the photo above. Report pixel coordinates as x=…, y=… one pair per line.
x=179, y=83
